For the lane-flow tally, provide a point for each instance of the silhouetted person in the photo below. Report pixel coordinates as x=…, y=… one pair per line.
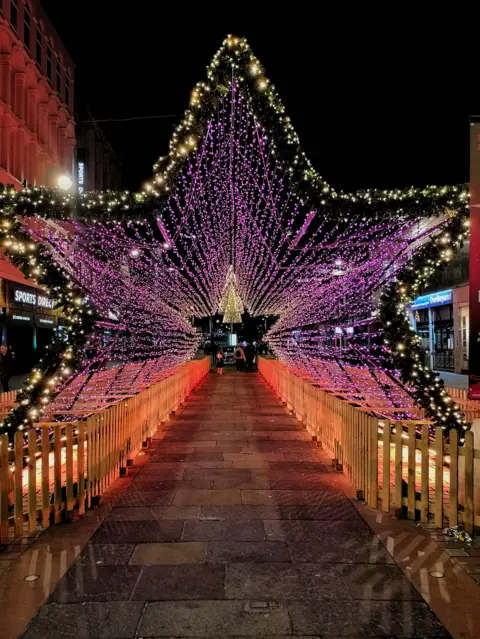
x=214, y=351
x=6, y=367
x=239, y=358
x=250, y=353
x=220, y=361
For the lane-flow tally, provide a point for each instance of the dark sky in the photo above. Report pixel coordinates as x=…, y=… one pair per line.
x=379, y=100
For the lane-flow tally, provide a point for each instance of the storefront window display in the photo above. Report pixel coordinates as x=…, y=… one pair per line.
x=30, y=321
x=432, y=318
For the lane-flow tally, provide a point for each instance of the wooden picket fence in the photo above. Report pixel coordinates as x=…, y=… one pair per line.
x=470, y=408
x=391, y=464
x=57, y=475
x=7, y=402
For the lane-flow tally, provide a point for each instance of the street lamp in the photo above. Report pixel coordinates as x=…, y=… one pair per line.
x=65, y=182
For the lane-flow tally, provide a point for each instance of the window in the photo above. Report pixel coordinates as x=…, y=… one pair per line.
x=13, y=14
x=49, y=63
x=27, y=21
x=59, y=76
x=38, y=46
x=67, y=89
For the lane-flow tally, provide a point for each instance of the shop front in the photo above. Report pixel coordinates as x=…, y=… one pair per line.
x=29, y=326
x=433, y=320
x=461, y=310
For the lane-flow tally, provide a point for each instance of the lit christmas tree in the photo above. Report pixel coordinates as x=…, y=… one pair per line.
x=231, y=304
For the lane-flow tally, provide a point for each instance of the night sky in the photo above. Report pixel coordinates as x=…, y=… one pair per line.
x=378, y=100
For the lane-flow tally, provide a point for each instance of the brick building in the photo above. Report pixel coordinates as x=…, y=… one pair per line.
x=37, y=129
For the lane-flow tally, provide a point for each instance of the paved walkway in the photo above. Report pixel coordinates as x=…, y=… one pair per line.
x=234, y=527
x=452, y=380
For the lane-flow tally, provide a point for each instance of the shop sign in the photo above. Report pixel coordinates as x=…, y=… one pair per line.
x=45, y=302
x=21, y=296
x=434, y=299
x=81, y=170
x=81, y=178
x=46, y=321
x=20, y=318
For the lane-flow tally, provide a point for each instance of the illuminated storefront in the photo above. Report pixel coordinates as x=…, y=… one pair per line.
x=441, y=319
x=29, y=320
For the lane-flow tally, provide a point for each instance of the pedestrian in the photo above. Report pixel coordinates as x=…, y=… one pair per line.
x=214, y=351
x=250, y=353
x=239, y=359
x=6, y=366
x=220, y=361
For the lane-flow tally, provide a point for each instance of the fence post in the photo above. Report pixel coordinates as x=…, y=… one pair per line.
x=57, y=474
x=45, y=477
x=18, y=484
x=69, y=467
x=453, y=510
x=424, y=478
x=386, y=467
x=81, y=468
x=469, y=482
x=439, y=477
x=411, y=471
x=398, y=464
x=4, y=486
x=373, y=463
x=32, y=479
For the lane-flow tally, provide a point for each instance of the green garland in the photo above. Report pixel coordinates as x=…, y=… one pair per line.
x=403, y=343
x=65, y=353
x=236, y=60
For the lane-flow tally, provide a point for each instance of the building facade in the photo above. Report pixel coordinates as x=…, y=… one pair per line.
x=37, y=129
x=37, y=143
x=97, y=167
x=28, y=318
x=441, y=317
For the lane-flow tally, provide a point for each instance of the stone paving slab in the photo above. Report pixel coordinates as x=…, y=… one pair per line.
x=146, y=498
x=299, y=530
x=112, y=620
x=237, y=512
x=190, y=497
x=247, y=551
x=145, y=513
x=211, y=618
x=234, y=526
x=223, y=530
x=168, y=553
x=106, y=554
x=279, y=581
x=377, y=583
x=137, y=532
x=281, y=497
x=96, y=583
x=180, y=582
x=365, y=619
x=326, y=511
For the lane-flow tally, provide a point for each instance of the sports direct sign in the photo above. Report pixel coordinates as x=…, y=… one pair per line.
x=21, y=296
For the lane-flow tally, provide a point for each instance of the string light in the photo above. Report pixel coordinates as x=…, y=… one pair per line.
x=237, y=218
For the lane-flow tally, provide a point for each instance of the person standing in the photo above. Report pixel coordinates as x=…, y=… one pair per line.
x=6, y=367
x=239, y=359
x=250, y=353
x=214, y=351
x=220, y=361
